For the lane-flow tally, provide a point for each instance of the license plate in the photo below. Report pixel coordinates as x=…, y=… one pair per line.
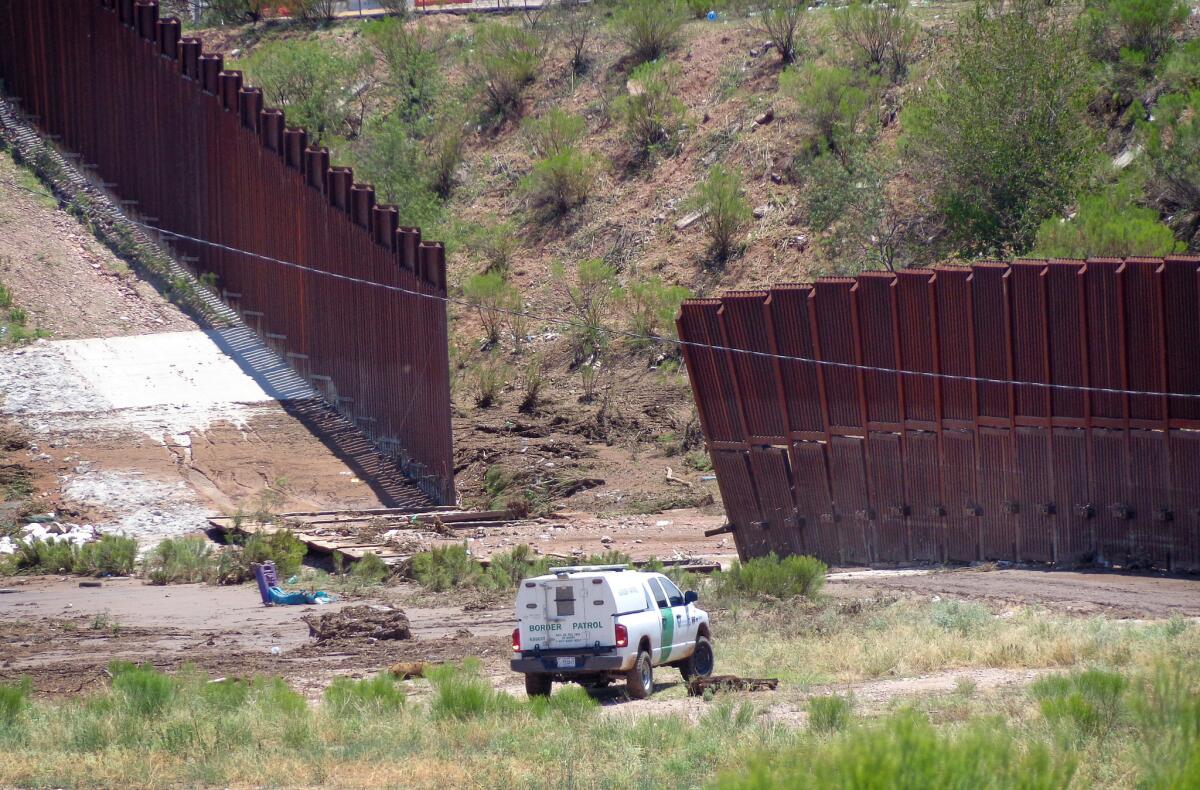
x=566, y=662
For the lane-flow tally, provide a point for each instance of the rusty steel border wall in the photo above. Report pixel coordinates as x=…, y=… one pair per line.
x=860, y=466
x=193, y=150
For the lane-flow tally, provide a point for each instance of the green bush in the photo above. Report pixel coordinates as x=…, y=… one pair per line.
x=390, y=156
x=726, y=213
x=460, y=693
x=1001, y=135
x=648, y=30
x=571, y=701
x=44, y=556
x=415, y=78
x=281, y=547
x=445, y=568
x=492, y=375
x=112, y=555
x=652, y=115
x=591, y=295
x=370, y=570
x=1173, y=153
x=181, y=561
x=560, y=182
x=781, y=21
x=381, y=694
x=506, y=569
x=491, y=297
x=1086, y=703
x=554, y=132
x=311, y=81
x=504, y=61
x=496, y=243
x=1107, y=225
x=1181, y=69
x=653, y=306
x=829, y=713
x=1145, y=26
x=880, y=35
x=833, y=103
x=790, y=577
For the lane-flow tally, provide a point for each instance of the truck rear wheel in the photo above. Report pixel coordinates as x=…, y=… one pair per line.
x=639, y=681
x=538, y=685
x=700, y=663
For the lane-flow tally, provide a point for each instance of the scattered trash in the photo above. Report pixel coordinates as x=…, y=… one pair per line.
x=91, y=584
x=275, y=650
x=697, y=686
x=359, y=622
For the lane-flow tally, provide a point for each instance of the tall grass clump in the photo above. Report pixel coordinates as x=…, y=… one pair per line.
x=14, y=700
x=726, y=213
x=962, y=617
x=460, y=693
x=445, y=567
x=1085, y=704
x=111, y=555
x=184, y=560
x=791, y=577
x=506, y=570
x=829, y=713
x=142, y=690
x=504, y=62
x=904, y=751
x=652, y=115
x=378, y=695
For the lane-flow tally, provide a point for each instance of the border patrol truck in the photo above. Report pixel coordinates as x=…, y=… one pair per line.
x=592, y=624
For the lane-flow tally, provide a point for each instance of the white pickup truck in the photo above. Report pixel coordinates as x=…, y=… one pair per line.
x=595, y=623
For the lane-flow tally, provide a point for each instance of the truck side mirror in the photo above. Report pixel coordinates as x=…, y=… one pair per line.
x=691, y=596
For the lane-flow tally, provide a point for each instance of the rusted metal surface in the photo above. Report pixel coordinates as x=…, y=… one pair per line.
x=196, y=153
x=867, y=462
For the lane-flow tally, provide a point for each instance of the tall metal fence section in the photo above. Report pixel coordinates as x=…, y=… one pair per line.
x=871, y=423
x=193, y=149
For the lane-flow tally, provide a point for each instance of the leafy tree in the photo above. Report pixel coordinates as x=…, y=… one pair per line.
x=1107, y=224
x=392, y=159
x=880, y=35
x=651, y=113
x=649, y=29
x=726, y=212
x=1001, y=136
x=780, y=21
x=832, y=101
x=504, y=61
x=1144, y=26
x=1173, y=152
x=311, y=81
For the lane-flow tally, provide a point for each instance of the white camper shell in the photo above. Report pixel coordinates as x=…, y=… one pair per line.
x=595, y=623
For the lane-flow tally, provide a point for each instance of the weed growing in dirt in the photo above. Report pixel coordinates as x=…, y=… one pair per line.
x=111, y=555
x=181, y=561
x=648, y=30
x=14, y=699
x=726, y=213
x=445, y=567
x=460, y=693
x=1083, y=705
x=349, y=697
x=962, y=617
x=790, y=577
x=829, y=713
x=653, y=117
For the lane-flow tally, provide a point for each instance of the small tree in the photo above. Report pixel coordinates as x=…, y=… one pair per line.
x=504, y=61
x=576, y=26
x=879, y=34
x=651, y=113
x=726, y=212
x=780, y=21
x=412, y=55
x=831, y=101
x=590, y=294
x=649, y=29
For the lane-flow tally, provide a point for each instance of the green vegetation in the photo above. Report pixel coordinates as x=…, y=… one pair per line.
x=1002, y=133
x=450, y=567
x=504, y=61
x=560, y=182
x=652, y=115
x=1113, y=27
x=648, y=30
x=1173, y=152
x=184, y=560
x=491, y=297
x=790, y=577
x=590, y=293
x=111, y=555
x=13, y=321
x=833, y=103
x=1108, y=224
x=281, y=547
x=880, y=36
x=781, y=22
x=652, y=306
x=829, y=713
x=311, y=81
x=726, y=213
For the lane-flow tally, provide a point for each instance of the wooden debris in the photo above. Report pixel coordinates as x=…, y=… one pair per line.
x=697, y=686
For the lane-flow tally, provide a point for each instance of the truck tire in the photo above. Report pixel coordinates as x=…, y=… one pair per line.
x=538, y=685
x=700, y=663
x=639, y=681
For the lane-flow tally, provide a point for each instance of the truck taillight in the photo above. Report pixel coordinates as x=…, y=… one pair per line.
x=516, y=640
x=622, y=636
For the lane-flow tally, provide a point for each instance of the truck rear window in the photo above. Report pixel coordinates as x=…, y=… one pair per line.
x=564, y=600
